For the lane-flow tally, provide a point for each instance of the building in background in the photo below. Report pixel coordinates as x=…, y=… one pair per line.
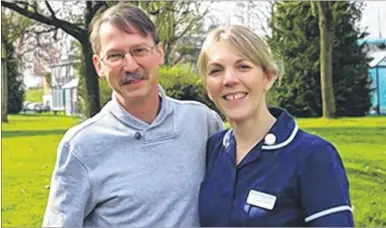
x=376, y=50
x=64, y=96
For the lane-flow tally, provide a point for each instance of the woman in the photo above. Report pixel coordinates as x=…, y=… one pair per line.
x=265, y=171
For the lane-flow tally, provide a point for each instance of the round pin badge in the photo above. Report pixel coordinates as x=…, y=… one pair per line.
x=270, y=139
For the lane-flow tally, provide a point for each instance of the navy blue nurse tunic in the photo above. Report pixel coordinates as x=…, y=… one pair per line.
x=291, y=178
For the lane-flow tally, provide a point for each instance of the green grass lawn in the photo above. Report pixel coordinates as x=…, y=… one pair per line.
x=34, y=95
x=29, y=148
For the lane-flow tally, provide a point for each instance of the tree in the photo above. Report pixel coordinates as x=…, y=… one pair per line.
x=324, y=13
x=4, y=83
x=77, y=29
x=173, y=19
x=40, y=46
x=297, y=42
x=263, y=11
x=176, y=20
x=14, y=26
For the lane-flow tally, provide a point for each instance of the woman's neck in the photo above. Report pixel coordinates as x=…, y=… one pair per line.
x=250, y=131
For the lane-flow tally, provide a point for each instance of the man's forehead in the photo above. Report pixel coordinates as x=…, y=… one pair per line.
x=128, y=28
x=111, y=37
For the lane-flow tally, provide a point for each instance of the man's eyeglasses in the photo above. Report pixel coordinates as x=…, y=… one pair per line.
x=115, y=59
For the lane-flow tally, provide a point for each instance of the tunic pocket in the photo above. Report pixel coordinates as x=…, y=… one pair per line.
x=261, y=205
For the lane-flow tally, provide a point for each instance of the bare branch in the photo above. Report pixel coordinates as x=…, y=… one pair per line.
x=187, y=28
x=40, y=32
x=53, y=13
x=76, y=32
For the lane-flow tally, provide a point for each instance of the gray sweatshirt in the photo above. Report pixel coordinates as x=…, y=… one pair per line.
x=116, y=170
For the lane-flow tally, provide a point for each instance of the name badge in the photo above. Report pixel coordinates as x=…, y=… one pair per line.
x=261, y=199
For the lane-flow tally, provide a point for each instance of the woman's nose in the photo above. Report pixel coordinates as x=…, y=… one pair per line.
x=230, y=78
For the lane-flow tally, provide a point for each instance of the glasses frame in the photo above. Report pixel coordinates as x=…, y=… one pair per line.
x=128, y=52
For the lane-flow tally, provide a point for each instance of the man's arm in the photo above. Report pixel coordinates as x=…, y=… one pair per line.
x=215, y=123
x=69, y=191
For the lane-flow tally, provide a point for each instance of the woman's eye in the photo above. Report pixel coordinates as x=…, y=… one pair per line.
x=244, y=67
x=213, y=71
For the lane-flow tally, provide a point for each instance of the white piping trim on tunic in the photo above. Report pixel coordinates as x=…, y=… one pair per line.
x=227, y=137
x=285, y=143
x=327, y=212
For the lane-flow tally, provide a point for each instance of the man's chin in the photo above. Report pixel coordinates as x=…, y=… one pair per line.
x=136, y=94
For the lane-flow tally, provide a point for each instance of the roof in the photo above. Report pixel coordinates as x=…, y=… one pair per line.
x=378, y=41
x=379, y=58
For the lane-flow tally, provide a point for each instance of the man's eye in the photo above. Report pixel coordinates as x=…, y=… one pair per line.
x=114, y=57
x=140, y=51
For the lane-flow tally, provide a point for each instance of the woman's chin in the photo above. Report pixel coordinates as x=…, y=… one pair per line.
x=236, y=116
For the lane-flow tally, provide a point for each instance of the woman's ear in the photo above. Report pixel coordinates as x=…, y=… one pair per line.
x=270, y=77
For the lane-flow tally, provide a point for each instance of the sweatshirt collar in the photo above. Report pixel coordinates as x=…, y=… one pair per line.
x=116, y=109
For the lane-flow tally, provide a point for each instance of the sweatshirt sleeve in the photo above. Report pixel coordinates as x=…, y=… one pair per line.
x=69, y=191
x=215, y=123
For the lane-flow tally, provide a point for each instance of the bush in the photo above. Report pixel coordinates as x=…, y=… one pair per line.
x=179, y=82
x=183, y=84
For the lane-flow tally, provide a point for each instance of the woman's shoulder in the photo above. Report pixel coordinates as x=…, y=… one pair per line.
x=220, y=137
x=314, y=147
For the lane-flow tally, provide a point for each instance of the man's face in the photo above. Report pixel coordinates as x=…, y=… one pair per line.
x=129, y=62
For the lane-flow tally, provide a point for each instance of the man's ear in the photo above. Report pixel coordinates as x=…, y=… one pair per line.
x=161, y=52
x=97, y=64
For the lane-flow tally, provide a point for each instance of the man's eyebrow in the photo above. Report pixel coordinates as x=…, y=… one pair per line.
x=113, y=50
x=133, y=46
x=140, y=44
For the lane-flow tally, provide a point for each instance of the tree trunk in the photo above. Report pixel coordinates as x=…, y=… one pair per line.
x=168, y=52
x=327, y=90
x=4, y=85
x=91, y=79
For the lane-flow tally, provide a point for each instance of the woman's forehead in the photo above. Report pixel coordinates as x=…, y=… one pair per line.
x=224, y=51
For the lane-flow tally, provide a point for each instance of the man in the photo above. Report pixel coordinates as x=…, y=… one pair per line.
x=140, y=161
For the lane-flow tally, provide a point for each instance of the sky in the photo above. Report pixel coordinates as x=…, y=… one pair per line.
x=373, y=16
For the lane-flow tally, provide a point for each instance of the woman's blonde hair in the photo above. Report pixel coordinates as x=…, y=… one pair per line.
x=244, y=40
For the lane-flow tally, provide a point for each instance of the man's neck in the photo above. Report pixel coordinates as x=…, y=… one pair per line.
x=145, y=110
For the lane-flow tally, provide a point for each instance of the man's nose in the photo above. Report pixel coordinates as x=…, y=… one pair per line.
x=230, y=78
x=129, y=63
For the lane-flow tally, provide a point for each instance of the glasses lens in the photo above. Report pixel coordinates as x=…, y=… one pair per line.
x=114, y=59
x=140, y=51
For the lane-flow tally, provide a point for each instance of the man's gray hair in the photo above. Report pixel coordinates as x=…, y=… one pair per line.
x=126, y=17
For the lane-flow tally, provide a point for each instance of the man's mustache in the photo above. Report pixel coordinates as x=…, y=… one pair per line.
x=131, y=76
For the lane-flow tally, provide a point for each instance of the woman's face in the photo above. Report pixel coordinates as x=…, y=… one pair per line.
x=235, y=84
